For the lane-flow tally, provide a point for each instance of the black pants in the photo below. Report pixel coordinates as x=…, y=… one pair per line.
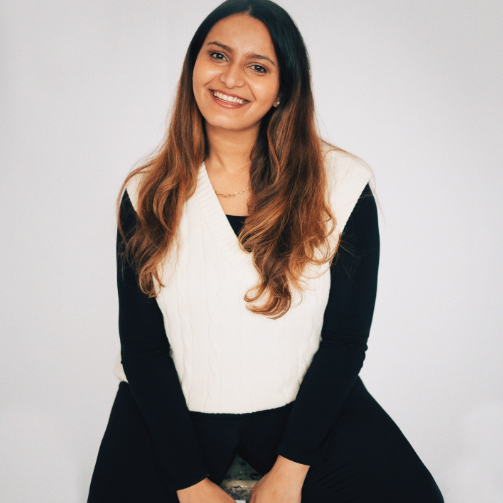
x=369, y=459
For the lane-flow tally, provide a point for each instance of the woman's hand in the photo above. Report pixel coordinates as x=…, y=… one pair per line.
x=205, y=491
x=272, y=489
x=283, y=484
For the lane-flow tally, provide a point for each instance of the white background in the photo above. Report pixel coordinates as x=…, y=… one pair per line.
x=415, y=88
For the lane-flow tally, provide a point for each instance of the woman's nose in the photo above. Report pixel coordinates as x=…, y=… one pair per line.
x=232, y=76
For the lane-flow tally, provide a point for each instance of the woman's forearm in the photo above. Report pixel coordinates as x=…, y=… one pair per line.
x=290, y=472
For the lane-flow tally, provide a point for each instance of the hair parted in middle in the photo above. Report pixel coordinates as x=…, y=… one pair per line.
x=290, y=216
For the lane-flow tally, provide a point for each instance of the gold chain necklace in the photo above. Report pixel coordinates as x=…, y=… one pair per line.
x=231, y=195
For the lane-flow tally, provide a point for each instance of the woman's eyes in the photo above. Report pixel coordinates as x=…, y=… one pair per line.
x=260, y=66
x=263, y=69
x=211, y=54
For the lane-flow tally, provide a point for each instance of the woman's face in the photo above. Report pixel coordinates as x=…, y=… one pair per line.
x=237, y=59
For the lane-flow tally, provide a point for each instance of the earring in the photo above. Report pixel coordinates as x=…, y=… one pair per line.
x=277, y=102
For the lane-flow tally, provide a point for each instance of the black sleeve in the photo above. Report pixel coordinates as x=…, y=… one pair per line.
x=152, y=375
x=346, y=326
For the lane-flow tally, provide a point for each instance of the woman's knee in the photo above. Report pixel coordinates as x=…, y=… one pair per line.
x=428, y=491
x=369, y=460
x=367, y=487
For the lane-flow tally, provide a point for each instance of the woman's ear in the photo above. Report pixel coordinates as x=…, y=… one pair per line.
x=277, y=101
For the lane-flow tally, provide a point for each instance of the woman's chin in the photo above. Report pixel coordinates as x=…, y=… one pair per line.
x=227, y=124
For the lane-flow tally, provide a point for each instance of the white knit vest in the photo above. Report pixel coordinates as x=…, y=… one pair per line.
x=228, y=359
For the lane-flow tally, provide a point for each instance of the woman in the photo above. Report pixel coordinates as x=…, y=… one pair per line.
x=243, y=316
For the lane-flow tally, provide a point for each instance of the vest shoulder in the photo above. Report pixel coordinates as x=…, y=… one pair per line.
x=347, y=176
x=342, y=166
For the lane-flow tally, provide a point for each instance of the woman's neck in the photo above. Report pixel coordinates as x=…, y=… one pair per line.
x=229, y=151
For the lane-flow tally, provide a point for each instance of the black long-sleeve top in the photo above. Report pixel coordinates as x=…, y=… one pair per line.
x=155, y=385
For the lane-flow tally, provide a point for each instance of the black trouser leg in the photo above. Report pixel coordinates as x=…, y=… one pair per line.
x=125, y=469
x=369, y=460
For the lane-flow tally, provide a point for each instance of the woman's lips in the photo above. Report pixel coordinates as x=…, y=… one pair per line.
x=226, y=104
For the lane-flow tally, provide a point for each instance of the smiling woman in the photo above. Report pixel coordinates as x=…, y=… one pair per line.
x=243, y=320
x=242, y=75
x=246, y=55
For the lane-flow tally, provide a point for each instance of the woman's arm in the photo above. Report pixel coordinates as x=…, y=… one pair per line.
x=152, y=376
x=346, y=327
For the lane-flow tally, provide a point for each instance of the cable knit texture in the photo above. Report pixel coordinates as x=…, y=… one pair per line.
x=228, y=359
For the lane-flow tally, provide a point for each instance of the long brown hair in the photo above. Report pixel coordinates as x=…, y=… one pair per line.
x=290, y=216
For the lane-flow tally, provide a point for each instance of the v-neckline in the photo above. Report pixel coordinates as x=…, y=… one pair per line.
x=218, y=222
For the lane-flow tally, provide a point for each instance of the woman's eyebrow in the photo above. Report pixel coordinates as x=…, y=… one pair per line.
x=250, y=56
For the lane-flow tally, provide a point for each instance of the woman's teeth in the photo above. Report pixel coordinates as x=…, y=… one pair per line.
x=229, y=99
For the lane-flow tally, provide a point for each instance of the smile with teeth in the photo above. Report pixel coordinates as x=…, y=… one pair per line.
x=228, y=99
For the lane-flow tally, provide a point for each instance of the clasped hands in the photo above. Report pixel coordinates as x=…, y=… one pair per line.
x=283, y=484
x=277, y=488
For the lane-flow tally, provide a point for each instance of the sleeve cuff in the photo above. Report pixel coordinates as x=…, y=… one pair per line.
x=304, y=458
x=190, y=479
